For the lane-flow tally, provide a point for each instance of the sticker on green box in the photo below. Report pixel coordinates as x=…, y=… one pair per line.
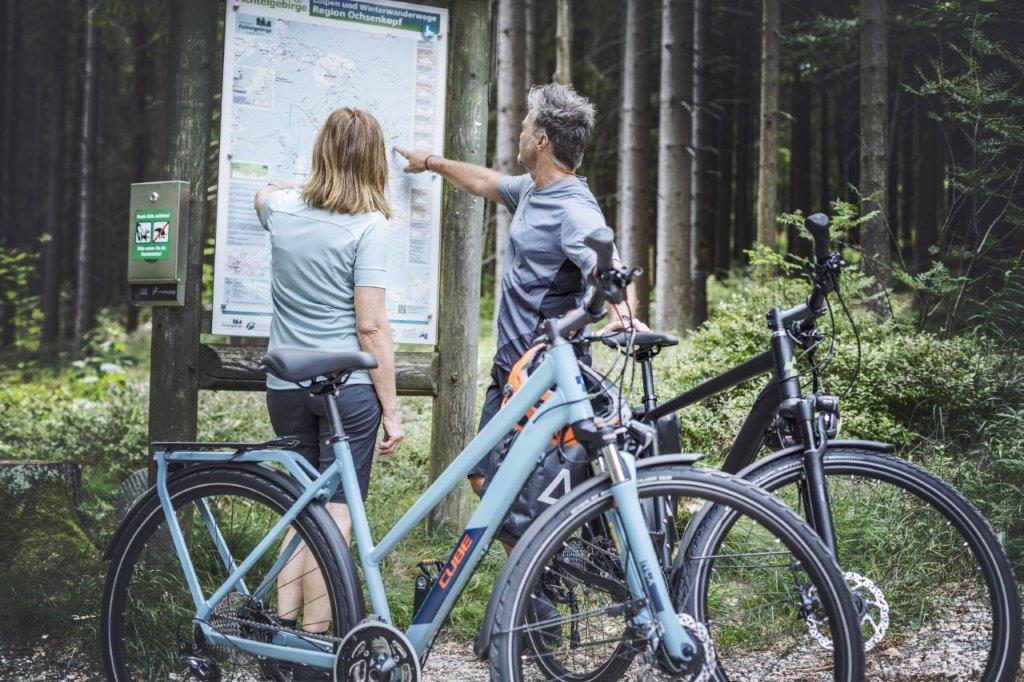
x=152, y=235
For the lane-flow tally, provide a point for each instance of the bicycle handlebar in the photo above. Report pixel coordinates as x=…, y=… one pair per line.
x=817, y=225
x=602, y=242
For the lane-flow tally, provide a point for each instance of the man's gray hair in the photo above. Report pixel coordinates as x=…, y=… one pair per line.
x=566, y=117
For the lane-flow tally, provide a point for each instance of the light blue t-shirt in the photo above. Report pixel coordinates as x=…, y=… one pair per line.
x=318, y=257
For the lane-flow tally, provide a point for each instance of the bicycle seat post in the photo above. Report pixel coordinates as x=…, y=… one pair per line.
x=333, y=416
x=647, y=369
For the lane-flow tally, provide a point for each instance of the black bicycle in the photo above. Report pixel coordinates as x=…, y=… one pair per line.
x=928, y=572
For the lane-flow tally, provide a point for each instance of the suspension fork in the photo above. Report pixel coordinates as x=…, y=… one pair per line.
x=641, y=561
x=814, y=487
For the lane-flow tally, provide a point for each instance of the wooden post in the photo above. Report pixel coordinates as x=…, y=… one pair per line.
x=469, y=62
x=174, y=350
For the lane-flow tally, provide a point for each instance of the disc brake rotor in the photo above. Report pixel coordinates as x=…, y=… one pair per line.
x=875, y=616
x=709, y=661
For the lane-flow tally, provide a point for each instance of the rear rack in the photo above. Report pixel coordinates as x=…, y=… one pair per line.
x=280, y=443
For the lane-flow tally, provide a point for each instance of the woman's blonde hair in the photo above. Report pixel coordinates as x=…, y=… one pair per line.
x=350, y=167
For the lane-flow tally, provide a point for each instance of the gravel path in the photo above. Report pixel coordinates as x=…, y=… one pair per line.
x=914, y=659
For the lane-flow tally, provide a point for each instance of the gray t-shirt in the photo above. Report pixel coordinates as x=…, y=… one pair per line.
x=318, y=258
x=546, y=260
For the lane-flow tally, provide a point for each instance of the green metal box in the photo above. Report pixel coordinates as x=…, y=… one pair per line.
x=157, y=242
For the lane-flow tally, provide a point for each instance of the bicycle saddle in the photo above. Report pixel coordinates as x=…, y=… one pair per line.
x=295, y=364
x=641, y=340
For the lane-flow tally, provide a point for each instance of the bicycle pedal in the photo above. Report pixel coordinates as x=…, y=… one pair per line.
x=201, y=668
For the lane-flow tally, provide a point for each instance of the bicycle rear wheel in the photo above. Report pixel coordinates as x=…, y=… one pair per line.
x=148, y=617
x=571, y=558
x=937, y=593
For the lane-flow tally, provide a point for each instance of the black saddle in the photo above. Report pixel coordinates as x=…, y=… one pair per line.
x=295, y=364
x=641, y=341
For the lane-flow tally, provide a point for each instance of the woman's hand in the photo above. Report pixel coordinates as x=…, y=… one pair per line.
x=394, y=434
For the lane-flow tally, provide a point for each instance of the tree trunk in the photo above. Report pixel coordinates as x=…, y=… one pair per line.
x=873, y=95
x=908, y=164
x=768, y=151
x=672, y=299
x=724, y=202
x=800, y=159
x=84, y=292
x=928, y=194
x=175, y=343
x=511, y=110
x=823, y=169
x=142, y=82
x=8, y=112
x=745, y=124
x=466, y=122
x=52, y=270
x=530, y=45
x=634, y=178
x=699, y=246
x=563, y=42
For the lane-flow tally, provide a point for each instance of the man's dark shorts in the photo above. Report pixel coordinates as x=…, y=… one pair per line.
x=492, y=403
x=296, y=413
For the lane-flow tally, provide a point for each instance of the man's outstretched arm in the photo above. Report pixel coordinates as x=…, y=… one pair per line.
x=478, y=180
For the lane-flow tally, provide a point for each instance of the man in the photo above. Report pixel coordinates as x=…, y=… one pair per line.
x=546, y=261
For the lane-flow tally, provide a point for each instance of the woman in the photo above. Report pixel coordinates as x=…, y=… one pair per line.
x=329, y=254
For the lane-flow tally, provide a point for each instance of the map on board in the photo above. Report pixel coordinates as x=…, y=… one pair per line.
x=287, y=65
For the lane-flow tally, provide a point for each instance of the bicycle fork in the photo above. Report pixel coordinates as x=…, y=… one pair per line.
x=644, y=574
x=813, y=486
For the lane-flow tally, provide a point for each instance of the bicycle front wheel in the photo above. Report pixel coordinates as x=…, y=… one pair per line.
x=563, y=609
x=937, y=594
x=149, y=627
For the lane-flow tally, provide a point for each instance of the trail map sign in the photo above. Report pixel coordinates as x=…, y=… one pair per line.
x=287, y=64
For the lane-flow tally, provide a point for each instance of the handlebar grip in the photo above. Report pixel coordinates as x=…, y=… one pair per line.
x=817, y=225
x=601, y=241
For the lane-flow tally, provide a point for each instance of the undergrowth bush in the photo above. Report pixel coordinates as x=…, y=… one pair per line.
x=955, y=405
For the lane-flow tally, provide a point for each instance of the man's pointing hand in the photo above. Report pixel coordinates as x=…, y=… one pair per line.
x=417, y=160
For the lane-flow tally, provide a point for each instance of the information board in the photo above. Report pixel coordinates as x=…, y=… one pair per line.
x=289, y=63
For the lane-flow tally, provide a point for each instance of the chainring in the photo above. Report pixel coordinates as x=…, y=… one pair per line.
x=374, y=650
x=875, y=608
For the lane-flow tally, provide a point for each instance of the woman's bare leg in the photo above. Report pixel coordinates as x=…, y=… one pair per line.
x=316, y=611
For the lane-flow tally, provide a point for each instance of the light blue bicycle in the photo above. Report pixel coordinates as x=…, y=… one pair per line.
x=203, y=568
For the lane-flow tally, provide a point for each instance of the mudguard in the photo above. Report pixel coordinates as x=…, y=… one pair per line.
x=341, y=551
x=483, y=640
x=870, y=445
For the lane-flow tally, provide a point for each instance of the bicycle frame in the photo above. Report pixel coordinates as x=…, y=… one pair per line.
x=782, y=394
x=566, y=403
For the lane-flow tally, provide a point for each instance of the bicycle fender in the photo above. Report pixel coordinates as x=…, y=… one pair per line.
x=870, y=445
x=483, y=640
x=144, y=499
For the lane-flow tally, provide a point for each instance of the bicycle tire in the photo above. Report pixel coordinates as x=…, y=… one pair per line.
x=313, y=524
x=530, y=558
x=1003, y=594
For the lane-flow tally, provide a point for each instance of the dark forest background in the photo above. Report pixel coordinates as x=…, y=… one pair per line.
x=714, y=119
